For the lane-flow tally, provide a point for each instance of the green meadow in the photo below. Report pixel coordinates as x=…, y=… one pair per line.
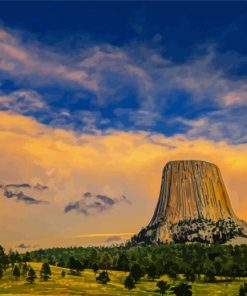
x=87, y=285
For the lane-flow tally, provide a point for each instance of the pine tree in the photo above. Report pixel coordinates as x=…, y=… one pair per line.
x=16, y=272
x=103, y=278
x=182, y=290
x=31, y=276
x=63, y=273
x=243, y=290
x=95, y=268
x=136, y=272
x=123, y=262
x=152, y=271
x=163, y=287
x=1, y=272
x=129, y=282
x=24, y=269
x=45, y=272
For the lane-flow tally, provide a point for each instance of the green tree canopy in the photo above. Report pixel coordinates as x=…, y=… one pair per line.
x=63, y=273
x=163, y=287
x=103, y=278
x=31, y=276
x=45, y=272
x=182, y=290
x=16, y=272
x=129, y=282
x=106, y=261
x=136, y=272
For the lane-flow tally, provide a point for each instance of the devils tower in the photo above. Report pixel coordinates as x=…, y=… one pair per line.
x=193, y=205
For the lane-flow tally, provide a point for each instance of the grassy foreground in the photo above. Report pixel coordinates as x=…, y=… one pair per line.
x=86, y=285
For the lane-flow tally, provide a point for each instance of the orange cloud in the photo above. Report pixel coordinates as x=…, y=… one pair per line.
x=114, y=163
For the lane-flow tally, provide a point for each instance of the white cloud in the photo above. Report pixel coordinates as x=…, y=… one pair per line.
x=22, y=101
x=37, y=63
x=113, y=73
x=227, y=124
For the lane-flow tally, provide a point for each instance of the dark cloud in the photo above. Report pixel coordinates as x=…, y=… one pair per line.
x=13, y=191
x=91, y=204
x=20, y=196
x=114, y=238
x=125, y=199
x=87, y=194
x=18, y=185
x=105, y=199
x=23, y=246
x=28, y=199
x=40, y=187
x=72, y=206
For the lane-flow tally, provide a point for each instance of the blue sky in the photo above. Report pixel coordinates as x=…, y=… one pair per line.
x=170, y=68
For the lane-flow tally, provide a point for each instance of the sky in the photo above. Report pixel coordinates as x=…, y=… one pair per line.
x=95, y=98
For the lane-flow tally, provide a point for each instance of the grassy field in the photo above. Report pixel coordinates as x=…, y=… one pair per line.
x=86, y=285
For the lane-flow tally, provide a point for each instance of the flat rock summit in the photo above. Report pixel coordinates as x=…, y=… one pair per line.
x=193, y=206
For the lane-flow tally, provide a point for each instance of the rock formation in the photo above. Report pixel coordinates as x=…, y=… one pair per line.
x=193, y=206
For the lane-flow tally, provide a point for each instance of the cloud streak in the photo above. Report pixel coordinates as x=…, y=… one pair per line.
x=23, y=246
x=32, y=61
x=112, y=239
x=121, y=234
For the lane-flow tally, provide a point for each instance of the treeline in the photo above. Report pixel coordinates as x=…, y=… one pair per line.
x=188, y=262
x=192, y=260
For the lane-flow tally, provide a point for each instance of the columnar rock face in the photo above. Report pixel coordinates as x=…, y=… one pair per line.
x=193, y=205
x=192, y=189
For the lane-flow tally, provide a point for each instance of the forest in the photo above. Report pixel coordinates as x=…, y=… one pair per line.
x=195, y=262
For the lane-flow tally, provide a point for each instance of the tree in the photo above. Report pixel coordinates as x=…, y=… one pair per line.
x=136, y=272
x=123, y=262
x=106, y=261
x=1, y=272
x=31, y=276
x=24, y=269
x=209, y=270
x=129, y=282
x=172, y=273
x=71, y=263
x=61, y=262
x=152, y=271
x=103, y=278
x=1, y=251
x=16, y=272
x=51, y=260
x=27, y=257
x=75, y=266
x=45, y=272
x=95, y=268
x=182, y=290
x=190, y=275
x=78, y=266
x=63, y=273
x=5, y=261
x=12, y=259
x=243, y=290
x=163, y=287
